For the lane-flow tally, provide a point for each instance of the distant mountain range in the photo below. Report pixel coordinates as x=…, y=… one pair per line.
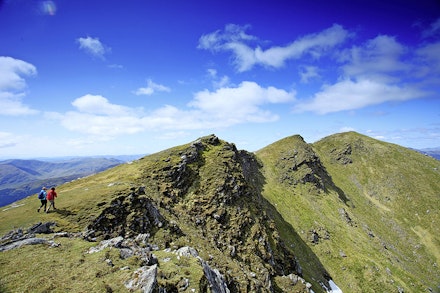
x=433, y=152
x=21, y=178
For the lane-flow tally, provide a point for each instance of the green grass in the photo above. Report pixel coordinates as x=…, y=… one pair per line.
x=65, y=268
x=390, y=193
x=390, y=189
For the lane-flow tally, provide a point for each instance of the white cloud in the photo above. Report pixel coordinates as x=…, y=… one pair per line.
x=218, y=82
x=235, y=39
x=350, y=95
x=7, y=140
x=93, y=46
x=346, y=129
x=101, y=125
x=170, y=135
x=380, y=70
x=429, y=56
x=13, y=86
x=308, y=72
x=416, y=137
x=151, y=89
x=115, y=66
x=240, y=104
x=233, y=33
x=95, y=104
x=95, y=115
x=212, y=72
x=377, y=59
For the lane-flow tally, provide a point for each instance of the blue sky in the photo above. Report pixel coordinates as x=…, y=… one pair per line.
x=80, y=78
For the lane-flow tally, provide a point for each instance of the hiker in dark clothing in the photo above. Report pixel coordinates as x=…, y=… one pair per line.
x=42, y=197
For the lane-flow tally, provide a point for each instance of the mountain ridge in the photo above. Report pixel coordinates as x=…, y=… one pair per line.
x=265, y=221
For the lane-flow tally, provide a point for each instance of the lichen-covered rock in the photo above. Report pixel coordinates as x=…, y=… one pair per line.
x=143, y=279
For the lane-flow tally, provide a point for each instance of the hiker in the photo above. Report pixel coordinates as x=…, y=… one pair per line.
x=42, y=197
x=51, y=198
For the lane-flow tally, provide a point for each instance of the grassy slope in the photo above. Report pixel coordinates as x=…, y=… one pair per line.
x=388, y=198
x=393, y=199
x=83, y=200
x=75, y=270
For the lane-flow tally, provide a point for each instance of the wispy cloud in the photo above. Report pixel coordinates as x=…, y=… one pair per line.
x=116, y=66
x=433, y=30
x=93, y=46
x=378, y=71
x=355, y=94
x=13, y=86
x=217, y=81
x=7, y=140
x=428, y=62
x=308, y=73
x=379, y=58
x=151, y=88
x=235, y=39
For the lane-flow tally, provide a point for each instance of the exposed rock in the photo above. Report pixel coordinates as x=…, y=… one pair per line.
x=128, y=216
x=143, y=279
x=17, y=238
x=227, y=210
x=301, y=165
x=315, y=235
x=114, y=242
x=187, y=251
x=42, y=228
x=183, y=285
x=28, y=241
x=346, y=217
x=12, y=235
x=342, y=156
x=216, y=281
x=128, y=248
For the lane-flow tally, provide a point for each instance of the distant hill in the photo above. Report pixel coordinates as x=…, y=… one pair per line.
x=433, y=152
x=347, y=211
x=21, y=178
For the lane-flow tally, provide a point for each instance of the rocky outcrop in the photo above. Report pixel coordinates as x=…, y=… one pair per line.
x=215, y=279
x=18, y=237
x=300, y=165
x=130, y=215
x=342, y=156
x=215, y=190
x=144, y=279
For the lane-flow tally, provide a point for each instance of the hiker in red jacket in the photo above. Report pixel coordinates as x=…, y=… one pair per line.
x=51, y=198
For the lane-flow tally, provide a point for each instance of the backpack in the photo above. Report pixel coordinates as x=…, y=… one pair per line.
x=41, y=195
